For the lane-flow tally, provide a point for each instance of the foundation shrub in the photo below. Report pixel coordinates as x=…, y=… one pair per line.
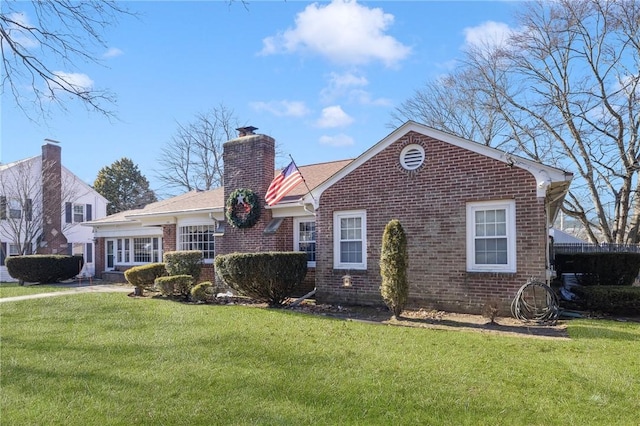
x=270, y=277
x=184, y=262
x=143, y=276
x=44, y=268
x=393, y=267
x=203, y=292
x=175, y=285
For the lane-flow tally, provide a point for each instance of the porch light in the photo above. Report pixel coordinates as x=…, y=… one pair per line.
x=346, y=281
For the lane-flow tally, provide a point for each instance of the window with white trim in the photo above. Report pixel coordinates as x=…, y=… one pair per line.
x=304, y=238
x=198, y=237
x=15, y=209
x=78, y=213
x=350, y=239
x=491, y=236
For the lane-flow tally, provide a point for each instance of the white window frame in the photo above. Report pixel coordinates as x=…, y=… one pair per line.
x=296, y=237
x=77, y=210
x=337, y=217
x=15, y=208
x=510, y=213
x=13, y=250
x=208, y=255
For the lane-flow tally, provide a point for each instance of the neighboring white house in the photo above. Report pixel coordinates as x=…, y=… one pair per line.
x=42, y=205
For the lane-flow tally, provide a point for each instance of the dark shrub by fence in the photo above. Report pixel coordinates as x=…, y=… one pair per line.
x=600, y=268
x=617, y=300
x=44, y=268
x=269, y=277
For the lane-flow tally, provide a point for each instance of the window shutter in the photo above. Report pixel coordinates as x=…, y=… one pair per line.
x=89, y=253
x=87, y=211
x=3, y=251
x=3, y=207
x=67, y=212
x=28, y=209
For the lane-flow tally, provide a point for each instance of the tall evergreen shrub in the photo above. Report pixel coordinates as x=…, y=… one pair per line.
x=394, y=262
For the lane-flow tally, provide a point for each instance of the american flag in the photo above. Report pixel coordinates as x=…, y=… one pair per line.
x=282, y=184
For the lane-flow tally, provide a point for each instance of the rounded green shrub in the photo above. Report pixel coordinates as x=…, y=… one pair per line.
x=269, y=276
x=394, y=261
x=184, y=262
x=44, y=268
x=175, y=285
x=144, y=276
x=203, y=292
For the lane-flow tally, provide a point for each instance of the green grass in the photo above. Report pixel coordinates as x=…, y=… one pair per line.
x=14, y=289
x=107, y=359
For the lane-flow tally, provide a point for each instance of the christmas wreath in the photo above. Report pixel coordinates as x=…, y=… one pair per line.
x=242, y=208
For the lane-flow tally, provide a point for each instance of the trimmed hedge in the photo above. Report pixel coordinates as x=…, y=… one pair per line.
x=184, y=262
x=203, y=292
x=175, y=285
x=269, y=276
x=144, y=276
x=44, y=268
x=607, y=269
x=616, y=300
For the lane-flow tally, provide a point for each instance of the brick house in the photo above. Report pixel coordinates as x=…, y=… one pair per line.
x=477, y=219
x=42, y=206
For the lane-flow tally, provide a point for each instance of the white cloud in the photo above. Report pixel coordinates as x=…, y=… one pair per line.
x=282, y=108
x=340, y=85
x=334, y=116
x=112, y=52
x=351, y=86
x=337, y=140
x=16, y=32
x=342, y=31
x=73, y=81
x=488, y=34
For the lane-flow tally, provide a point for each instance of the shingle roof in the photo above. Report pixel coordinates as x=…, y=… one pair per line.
x=314, y=175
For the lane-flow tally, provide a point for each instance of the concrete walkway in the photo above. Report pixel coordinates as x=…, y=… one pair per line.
x=73, y=289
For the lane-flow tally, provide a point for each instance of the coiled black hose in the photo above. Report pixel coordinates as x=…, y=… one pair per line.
x=535, y=301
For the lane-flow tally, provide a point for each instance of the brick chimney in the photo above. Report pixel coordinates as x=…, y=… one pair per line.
x=53, y=240
x=249, y=163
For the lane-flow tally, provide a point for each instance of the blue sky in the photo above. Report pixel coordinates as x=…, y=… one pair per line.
x=321, y=78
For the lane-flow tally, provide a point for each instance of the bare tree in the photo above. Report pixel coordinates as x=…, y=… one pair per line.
x=41, y=44
x=566, y=88
x=193, y=158
x=452, y=103
x=23, y=212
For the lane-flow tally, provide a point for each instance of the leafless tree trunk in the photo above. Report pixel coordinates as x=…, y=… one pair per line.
x=565, y=85
x=193, y=158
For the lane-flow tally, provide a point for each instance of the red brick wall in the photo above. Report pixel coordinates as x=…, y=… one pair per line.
x=249, y=162
x=168, y=238
x=100, y=257
x=431, y=206
x=56, y=242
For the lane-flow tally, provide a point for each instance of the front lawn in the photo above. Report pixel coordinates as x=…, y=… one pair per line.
x=108, y=359
x=15, y=289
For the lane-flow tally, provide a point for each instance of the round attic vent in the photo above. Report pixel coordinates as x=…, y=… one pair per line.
x=412, y=156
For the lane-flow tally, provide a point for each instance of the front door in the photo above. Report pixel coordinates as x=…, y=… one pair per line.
x=110, y=254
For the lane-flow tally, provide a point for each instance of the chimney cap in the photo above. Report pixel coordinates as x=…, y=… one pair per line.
x=245, y=131
x=51, y=140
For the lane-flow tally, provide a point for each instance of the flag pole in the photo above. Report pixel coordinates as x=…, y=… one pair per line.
x=303, y=179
